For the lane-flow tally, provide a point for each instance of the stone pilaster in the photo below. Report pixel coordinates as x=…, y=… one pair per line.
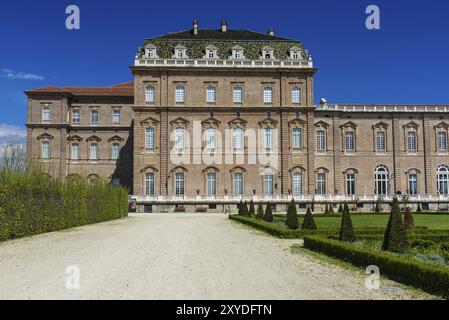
x=310, y=152
x=337, y=153
x=164, y=143
x=285, y=153
x=396, y=155
x=138, y=156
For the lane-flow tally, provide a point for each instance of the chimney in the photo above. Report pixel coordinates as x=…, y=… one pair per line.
x=195, y=26
x=270, y=32
x=224, y=26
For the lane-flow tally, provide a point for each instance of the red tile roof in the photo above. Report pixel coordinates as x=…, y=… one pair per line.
x=125, y=89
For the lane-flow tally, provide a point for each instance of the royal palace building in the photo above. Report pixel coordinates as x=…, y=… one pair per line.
x=213, y=117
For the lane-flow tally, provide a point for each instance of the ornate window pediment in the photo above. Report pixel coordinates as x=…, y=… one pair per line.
x=210, y=123
x=348, y=125
x=75, y=138
x=237, y=169
x=296, y=123
x=150, y=121
x=179, y=123
x=297, y=169
x=268, y=123
x=321, y=124
x=179, y=169
x=45, y=136
x=116, y=138
x=350, y=171
x=237, y=123
x=412, y=171
x=149, y=169
x=411, y=125
x=211, y=169
x=380, y=125
x=442, y=125
x=322, y=170
x=93, y=138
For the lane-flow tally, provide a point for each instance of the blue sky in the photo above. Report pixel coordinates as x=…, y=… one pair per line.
x=406, y=61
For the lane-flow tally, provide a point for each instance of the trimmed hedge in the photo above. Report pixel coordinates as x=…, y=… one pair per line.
x=32, y=203
x=429, y=277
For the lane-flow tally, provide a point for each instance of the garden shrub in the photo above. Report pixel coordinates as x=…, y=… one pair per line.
x=268, y=217
x=418, y=209
x=422, y=243
x=252, y=211
x=309, y=223
x=444, y=246
x=409, y=223
x=331, y=209
x=346, y=230
x=245, y=210
x=326, y=209
x=240, y=207
x=259, y=212
x=395, y=239
x=340, y=208
x=292, y=216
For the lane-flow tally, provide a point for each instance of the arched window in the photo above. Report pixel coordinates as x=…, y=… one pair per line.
x=443, y=180
x=381, y=180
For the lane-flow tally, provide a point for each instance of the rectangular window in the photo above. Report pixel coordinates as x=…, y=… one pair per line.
x=46, y=113
x=45, y=150
x=115, y=182
x=115, y=151
x=297, y=184
x=442, y=141
x=296, y=95
x=349, y=141
x=267, y=95
x=413, y=184
x=350, y=184
x=150, y=94
x=320, y=141
x=149, y=184
x=94, y=151
x=180, y=94
x=297, y=138
x=116, y=117
x=238, y=139
x=179, y=183
x=380, y=141
x=211, y=184
x=93, y=117
x=76, y=117
x=211, y=94
x=321, y=183
x=75, y=151
x=268, y=184
x=411, y=141
x=268, y=138
x=211, y=138
x=179, y=142
x=237, y=94
x=238, y=183
x=149, y=138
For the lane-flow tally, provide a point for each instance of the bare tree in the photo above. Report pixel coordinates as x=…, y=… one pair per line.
x=13, y=157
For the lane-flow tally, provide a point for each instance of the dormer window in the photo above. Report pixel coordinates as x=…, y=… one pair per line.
x=151, y=52
x=295, y=53
x=267, y=53
x=180, y=52
x=211, y=52
x=237, y=52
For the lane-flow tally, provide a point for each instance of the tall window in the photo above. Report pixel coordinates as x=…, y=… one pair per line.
x=296, y=95
x=238, y=183
x=380, y=142
x=442, y=141
x=211, y=184
x=94, y=117
x=149, y=138
x=321, y=183
x=268, y=138
x=411, y=141
x=76, y=117
x=297, y=183
x=382, y=184
x=413, y=184
x=211, y=96
x=75, y=151
x=149, y=184
x=349, y=141
x=320, y=141
x=150, y=94
x=94, y=151
x=211, y=138
x=268, y=184
x=297, y=138
x=115, y=151
x=443, y=180
x=116, y=117
x=180, y=94
x=45, y=149
x=238, y=138
x=179, y=183
x=237, y=94
x=267, y=95
x=46, y=113
x=179, y=138
x=350, y=184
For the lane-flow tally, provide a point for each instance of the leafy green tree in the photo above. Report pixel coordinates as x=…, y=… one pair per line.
x=252, y=211
x=268, y=217
x=395, y=239
x=259, y=212
x=346, y=230
x=292, y=216
x=309, y=223
x=409, y=222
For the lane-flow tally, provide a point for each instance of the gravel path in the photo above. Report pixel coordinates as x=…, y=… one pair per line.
x=173, y=257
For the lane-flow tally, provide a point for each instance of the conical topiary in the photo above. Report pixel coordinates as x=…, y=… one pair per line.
x=409, y=222
x=331, y=209
x=259, y=212
x=240, y=207
x=326, y=209
x=268, y=217
x=419, y=210
x=252, y=211
x=395, y=239
x=346, y=230
x=309, y=223
x=292, y=216
x=340, y=208
x=377, y=208
x=245, y=209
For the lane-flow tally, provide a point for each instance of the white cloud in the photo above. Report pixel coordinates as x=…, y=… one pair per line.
x=10, y=132
x=11, y=74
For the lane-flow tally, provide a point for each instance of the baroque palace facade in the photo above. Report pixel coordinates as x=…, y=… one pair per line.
x=216, y=116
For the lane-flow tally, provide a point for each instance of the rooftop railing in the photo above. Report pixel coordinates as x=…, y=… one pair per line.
x=383, y=108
